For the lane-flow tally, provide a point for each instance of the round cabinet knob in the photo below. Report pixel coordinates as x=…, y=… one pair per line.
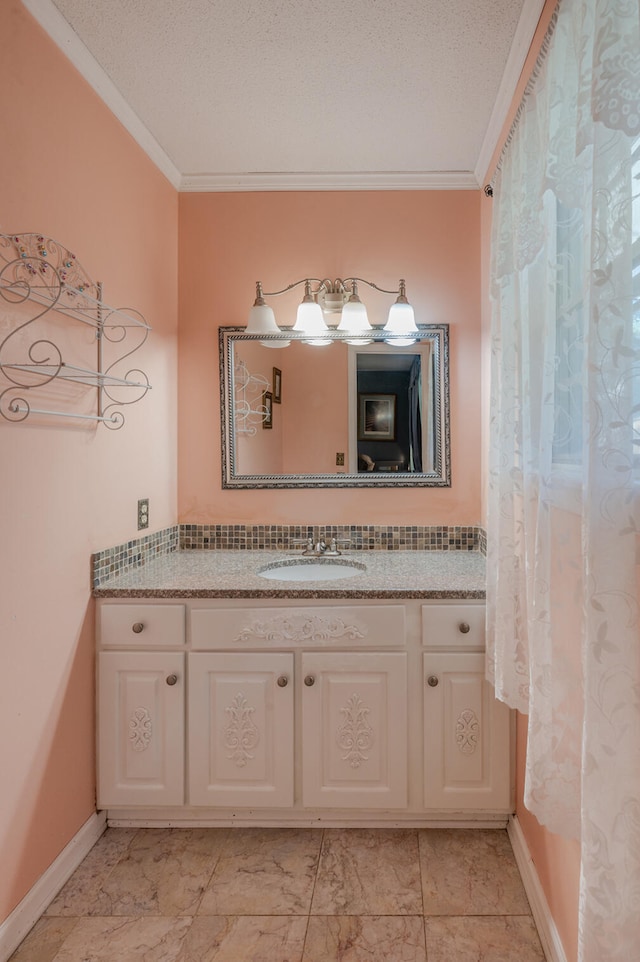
x=172, y=679
x=283, y=681
x=432, y=681
x=309, y=680
x=138, y=627
x=464, y=627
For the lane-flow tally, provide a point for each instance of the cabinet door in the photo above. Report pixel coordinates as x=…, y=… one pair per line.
x=354, y=730
x=467, y=746
x=241, y=729
x=141, y=728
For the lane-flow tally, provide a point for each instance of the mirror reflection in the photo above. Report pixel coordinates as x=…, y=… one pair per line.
x=345, y=414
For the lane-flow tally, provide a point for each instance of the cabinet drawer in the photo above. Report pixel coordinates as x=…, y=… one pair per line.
x=279, y=627
x=141, y=625
x=453, y=626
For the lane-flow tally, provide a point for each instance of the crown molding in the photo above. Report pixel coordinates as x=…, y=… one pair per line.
x=525, y=32
x=54, y=24
x=356, y=180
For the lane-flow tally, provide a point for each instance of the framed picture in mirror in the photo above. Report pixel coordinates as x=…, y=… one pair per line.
x=267, y=419
x=277, y=385
x=376, y=417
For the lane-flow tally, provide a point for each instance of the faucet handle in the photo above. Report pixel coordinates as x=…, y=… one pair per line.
x=333, y=546
x=307, y=542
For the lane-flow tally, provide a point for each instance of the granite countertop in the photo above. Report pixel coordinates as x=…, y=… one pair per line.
x=235, y=574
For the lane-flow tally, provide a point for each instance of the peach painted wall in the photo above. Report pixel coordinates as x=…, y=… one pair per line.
x=315, y=409
x=228, y=241
x=69, y=170
x=556, y=860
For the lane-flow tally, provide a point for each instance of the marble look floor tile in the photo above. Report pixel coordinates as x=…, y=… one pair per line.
x=268, y=938
x=264, y=872
x=470, y=872
x=164, y=872
x=487, y=938
x=365, y=939
x=125, y=940
x=44, y=940
x=83, y=886
x=368, y=872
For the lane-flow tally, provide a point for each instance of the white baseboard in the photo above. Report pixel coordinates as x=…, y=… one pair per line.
x=549, y=938
x=25, y=915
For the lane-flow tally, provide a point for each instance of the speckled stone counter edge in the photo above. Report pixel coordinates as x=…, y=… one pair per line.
x=125, y=557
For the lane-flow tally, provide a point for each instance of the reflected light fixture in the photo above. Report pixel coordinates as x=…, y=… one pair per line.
x=331, y=297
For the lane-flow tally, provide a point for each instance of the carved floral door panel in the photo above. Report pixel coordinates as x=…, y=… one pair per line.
x=354, y=730
x=141, y=732
x=466, y=736
x=241, y=729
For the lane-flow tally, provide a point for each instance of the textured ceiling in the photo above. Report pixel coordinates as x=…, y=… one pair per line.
x=229, y=88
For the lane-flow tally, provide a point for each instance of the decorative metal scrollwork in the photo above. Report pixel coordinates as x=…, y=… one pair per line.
x=287, y=629
x=248, y=403
x=355, y=734
x=39, y=280
x=240, y=734
x=140, y=729
x=467, y=731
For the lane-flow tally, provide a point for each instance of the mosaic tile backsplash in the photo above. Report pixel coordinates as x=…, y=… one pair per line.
x=133, y=554
x=360, y=537
x=221, y=537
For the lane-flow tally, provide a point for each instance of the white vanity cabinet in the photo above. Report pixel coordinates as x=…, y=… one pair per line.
x=292, y=712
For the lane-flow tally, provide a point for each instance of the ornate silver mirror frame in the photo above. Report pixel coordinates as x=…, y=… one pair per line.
x=438, y=473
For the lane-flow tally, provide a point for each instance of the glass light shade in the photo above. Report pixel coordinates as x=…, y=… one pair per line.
x=401, y=321
x=262, y=321
x=354, y=318
x=310, y=320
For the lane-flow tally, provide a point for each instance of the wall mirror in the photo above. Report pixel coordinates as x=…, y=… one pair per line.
x=343, y=412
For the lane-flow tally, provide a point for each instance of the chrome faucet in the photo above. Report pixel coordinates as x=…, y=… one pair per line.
x=309, y=548
x=321, y=548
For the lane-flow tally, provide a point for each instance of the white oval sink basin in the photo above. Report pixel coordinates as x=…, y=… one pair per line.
x=313, y=570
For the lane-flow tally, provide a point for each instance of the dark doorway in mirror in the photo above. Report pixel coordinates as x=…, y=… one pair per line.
x=389, y=431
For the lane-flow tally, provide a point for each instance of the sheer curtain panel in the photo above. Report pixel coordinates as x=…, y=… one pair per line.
x=564, y=494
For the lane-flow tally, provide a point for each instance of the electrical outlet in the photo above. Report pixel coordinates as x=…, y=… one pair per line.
x=340, y=458
x=143, y=513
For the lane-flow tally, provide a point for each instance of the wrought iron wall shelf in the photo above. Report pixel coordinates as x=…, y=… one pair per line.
x=40, y=281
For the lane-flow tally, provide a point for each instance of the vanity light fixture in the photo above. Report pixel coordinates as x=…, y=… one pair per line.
x=331, y=297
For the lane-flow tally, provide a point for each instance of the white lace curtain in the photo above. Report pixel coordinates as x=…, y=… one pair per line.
x=564, y=501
